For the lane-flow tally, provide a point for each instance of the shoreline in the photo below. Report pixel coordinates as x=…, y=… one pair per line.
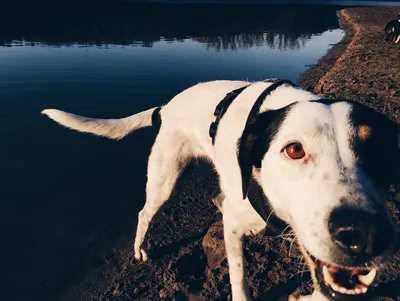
x=373, y=78
x=188, y=261
x=310, y=78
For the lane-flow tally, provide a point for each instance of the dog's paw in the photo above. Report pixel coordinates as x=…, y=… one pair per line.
x=141, y=255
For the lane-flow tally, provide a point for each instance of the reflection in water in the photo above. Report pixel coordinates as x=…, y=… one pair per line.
x=218, y=27
x=66, y=197
x=245, y=41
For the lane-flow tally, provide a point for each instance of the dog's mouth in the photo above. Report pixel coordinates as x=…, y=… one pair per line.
x=343, y=283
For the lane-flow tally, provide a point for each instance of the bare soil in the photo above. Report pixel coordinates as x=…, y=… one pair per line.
x=187, y=252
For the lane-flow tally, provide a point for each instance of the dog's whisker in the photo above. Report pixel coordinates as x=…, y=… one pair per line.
x=305, y=267
x=288, y=235
x=291, y=245
x=269, y=216
x=301, y=273
x=281, y=235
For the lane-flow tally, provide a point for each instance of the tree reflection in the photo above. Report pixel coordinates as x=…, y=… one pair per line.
x=218, y=27
x=246, y=41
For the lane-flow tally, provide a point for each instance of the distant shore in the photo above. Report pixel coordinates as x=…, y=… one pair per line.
x=327, y=2
x=361, y=67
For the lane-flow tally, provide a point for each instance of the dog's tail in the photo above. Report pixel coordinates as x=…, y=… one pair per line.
x=111, y=128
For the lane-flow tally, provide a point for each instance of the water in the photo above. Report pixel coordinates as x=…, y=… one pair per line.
x=65, y=195
x=325, y=2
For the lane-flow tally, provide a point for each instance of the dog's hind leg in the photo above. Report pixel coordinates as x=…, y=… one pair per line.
x=169, y=157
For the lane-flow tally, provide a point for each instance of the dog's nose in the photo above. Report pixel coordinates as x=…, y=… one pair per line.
x=360, y=233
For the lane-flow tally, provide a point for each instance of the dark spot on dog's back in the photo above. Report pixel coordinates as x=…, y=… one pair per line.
x=156, y=118
x=327, y=101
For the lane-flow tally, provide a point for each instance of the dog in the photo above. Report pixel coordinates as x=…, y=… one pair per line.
x=324, y=165
x=392, y=30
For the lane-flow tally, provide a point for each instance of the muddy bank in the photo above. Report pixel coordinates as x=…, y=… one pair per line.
x=186, y=245
x=366, y=68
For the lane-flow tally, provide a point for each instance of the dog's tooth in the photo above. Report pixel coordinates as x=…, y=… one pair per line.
x=342, y=290
x=335, y=287
x=367, y=279
x=361, y=289
x=364, y=289
x=327, y=276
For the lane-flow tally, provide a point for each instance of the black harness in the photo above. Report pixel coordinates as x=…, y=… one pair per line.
x=258, y=203
x=224, y=104
x=221, y=108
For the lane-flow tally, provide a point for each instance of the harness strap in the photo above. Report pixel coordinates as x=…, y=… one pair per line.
x=257, y=105
x=259, y=204
x=224, y=104
x=221, y=109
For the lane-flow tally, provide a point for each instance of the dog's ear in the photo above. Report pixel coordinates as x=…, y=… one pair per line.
x=255, y=142
x=245, y=157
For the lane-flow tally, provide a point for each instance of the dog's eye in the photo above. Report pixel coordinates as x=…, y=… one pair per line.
x=294, y=151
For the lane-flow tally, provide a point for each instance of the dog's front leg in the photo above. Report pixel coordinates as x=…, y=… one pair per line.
x=233, y=237
x=235, y=220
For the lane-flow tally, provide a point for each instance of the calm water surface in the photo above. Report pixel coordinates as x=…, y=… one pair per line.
x=64, y=194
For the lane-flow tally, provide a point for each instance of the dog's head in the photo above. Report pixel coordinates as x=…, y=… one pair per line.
x=325, y=167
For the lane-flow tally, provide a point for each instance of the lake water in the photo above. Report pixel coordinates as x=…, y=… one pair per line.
x=65, y=195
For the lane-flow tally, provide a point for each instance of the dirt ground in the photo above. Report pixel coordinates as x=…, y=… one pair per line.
x=187, y=252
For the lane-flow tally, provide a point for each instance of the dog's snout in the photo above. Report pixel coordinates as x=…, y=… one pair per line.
x=360, y=233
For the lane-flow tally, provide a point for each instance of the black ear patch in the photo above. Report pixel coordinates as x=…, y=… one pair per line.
x=375, y=144
x=255, y=142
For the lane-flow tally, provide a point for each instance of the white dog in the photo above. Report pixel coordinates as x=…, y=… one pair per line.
x=324, y=165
